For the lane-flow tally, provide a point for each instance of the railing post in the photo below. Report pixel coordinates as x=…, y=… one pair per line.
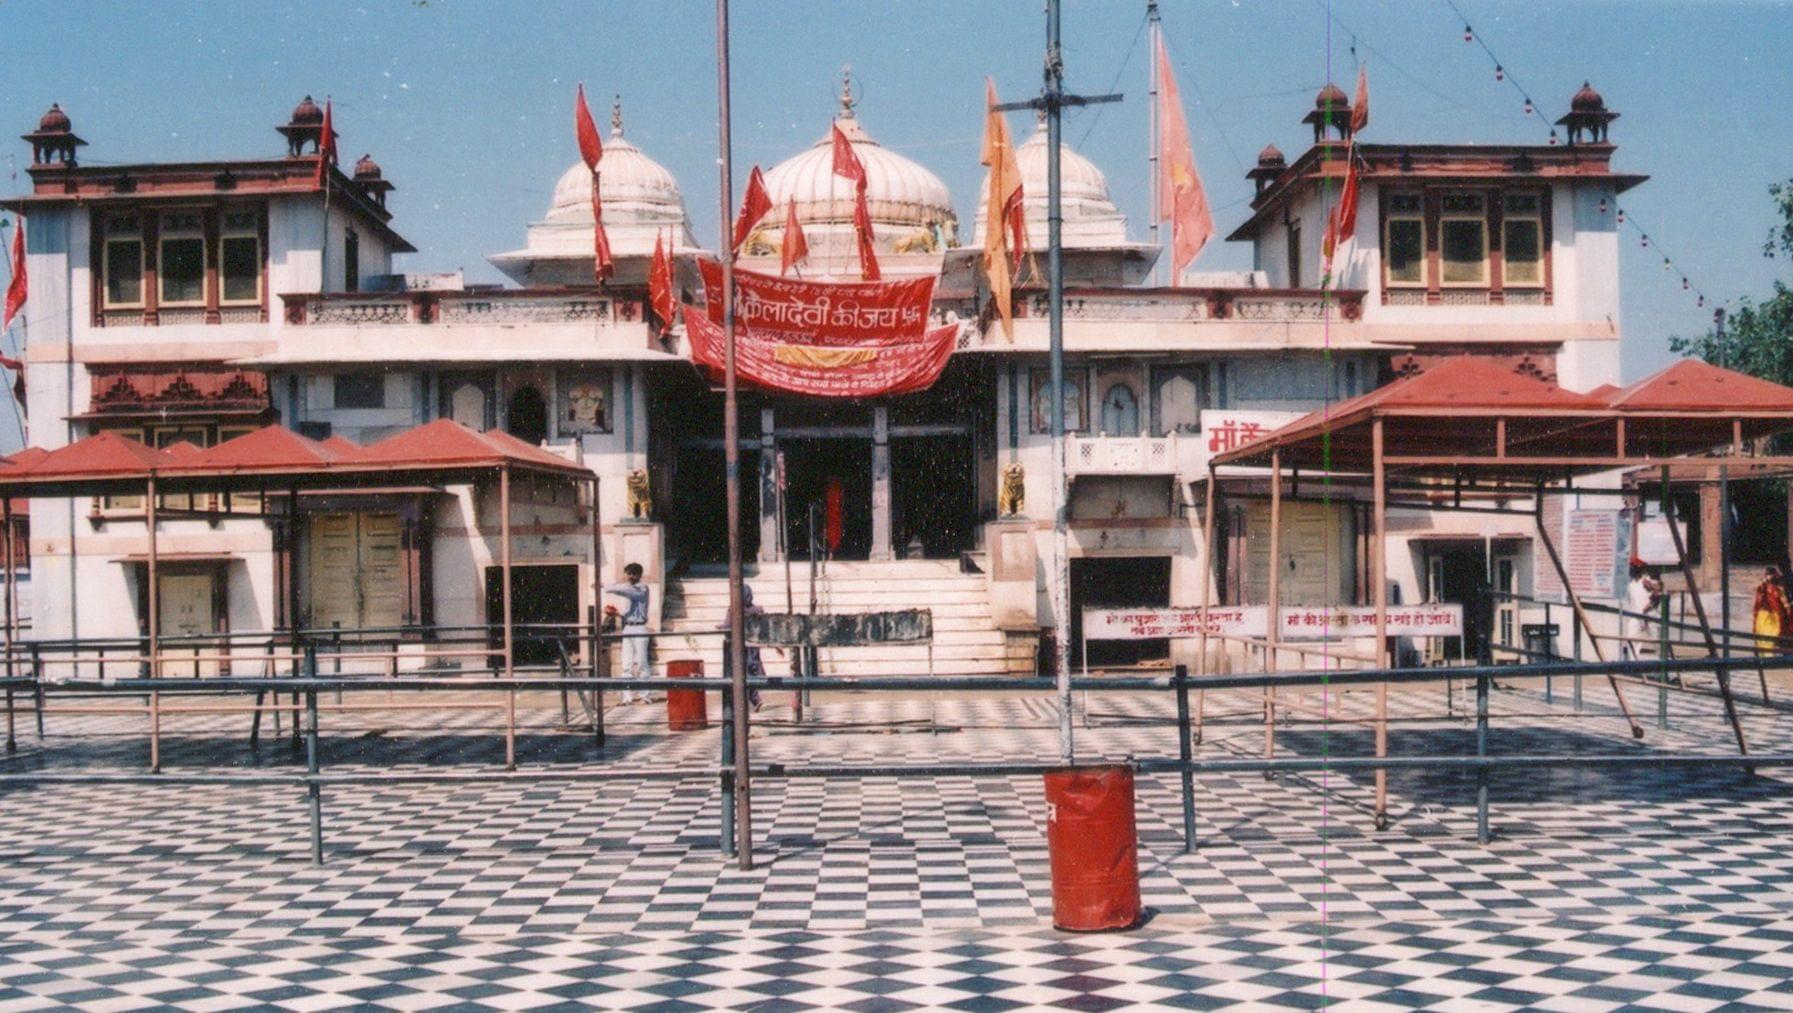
x=1186, y=755
x=37, y=689
x=1481, y=750
x=1662, y=659
x=597, y=672
x=12, y=746
x=727, y=837
x=313, y=791
x=1576, y=620
x=1549, y=639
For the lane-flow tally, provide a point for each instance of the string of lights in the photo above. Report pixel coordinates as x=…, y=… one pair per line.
x=1532, y=109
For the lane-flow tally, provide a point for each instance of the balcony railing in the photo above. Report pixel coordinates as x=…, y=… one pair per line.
x=1191, y=305
x=497, y=306
x=1121, y=455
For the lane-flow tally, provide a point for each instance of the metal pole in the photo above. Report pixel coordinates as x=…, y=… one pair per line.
x=1155, y=30
x=1481, y=749
x=1562, y=575
x=1699, y=609
x=313, y=792
x=1208, y=577
x=1186, y=754
x=1379, y=573
x=731, y=432
x=1272, y=657
x=504, y=592
x=1061, y=540
x=155, y=626
x=1662, y=650
x=600, y=655
x=726, y=778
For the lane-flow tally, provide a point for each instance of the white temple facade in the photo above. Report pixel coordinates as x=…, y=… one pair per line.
x=189, y=302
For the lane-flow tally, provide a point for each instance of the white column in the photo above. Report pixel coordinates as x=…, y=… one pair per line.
x=768, y=482
x=881, y=483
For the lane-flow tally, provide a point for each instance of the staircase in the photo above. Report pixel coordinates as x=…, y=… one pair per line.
x=966, y=641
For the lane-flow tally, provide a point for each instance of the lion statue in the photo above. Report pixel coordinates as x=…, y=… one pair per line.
x=640, y=501
x=1012, y=498
x=922, y=240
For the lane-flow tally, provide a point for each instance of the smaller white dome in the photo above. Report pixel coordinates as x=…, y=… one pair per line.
x=641, y=201
x=1091, y=218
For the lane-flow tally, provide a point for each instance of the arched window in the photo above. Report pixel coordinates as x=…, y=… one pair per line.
x=1120, y=411
x=527, y=418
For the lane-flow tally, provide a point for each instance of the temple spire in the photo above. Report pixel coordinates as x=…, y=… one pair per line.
x=616, y=117
x=846, y=92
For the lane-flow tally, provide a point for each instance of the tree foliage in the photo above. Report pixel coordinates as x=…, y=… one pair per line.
x=1757, y=337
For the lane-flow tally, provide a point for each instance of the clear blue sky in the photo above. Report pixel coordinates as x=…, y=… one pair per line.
x=466, y=104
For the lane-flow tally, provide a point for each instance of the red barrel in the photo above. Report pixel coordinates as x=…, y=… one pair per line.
x=687, y=710
x=1091, y=836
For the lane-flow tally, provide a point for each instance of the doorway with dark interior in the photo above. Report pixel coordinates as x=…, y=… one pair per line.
x=1118, y=582
x=828, y=470
x=526, y=416
x=1456, y=572
x=544, y=609
x=934, y=492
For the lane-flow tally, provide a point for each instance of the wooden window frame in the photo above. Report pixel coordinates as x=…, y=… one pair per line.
x=253, y=233
x=163, y=238
x=1537, y=216
x=1389, y=218
x=1485, y=282
x=107, y=237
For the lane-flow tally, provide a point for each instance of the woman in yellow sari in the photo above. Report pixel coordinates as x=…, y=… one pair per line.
x=1772, y=612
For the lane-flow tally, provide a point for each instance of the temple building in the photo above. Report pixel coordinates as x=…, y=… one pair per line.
x=190, y=303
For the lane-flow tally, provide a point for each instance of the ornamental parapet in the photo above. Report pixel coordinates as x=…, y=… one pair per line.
x=496, y=306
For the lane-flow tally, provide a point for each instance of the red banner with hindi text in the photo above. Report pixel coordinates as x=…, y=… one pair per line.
x=833, y=313
x=772, y=359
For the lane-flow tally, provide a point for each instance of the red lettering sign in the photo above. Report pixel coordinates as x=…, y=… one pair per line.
x=826, y=313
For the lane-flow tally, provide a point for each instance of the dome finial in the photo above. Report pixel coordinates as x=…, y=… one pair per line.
x=846, y=91
x=616, y=117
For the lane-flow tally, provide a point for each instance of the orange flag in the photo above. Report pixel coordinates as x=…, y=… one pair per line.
x=1181, y=198
x=659, y=284
x=1342, y=223
x=1360, y=106
x=326, y=147
x=795, y=246
x=1003, y=216
x=754, y=205
x=848, y=166
x=591, y=150
x=16, y=289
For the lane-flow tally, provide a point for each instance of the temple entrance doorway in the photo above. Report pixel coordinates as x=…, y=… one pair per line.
x=835, y=474
x=934, y=485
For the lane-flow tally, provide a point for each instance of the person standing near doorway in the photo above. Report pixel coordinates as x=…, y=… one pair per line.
x=1642, y=594
x=635, y=635
x=834, y=514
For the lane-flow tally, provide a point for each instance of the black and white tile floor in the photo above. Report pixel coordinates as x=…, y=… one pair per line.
x=1609, y=889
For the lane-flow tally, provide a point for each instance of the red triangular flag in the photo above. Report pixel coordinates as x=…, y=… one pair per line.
x=846, y=162
x=591, y=150
x=326, y=147
x=848, y=166
x=15, y=292
x=591, y=147
x=796, y=246
x=1360, y=108
x=754, y=205
x=659, y=284
x=18, y=376
x=1342, y=223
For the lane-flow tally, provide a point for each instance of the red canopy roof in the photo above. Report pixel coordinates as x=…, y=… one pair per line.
x=1693, y=385
x=431, y=450
x=1473, y=411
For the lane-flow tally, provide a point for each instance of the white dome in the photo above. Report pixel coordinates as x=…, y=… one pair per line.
x=911, y=209
x=1091, y=217
x=641, y=202
x=635, y=187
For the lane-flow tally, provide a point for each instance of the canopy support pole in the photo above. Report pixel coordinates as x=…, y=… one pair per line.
x=1208, y=579
x=1699, y=608
x=1379, y=573
x=1272, y=656
x=1562, y=576
x=504, y=593
x=600, y=656
x=154, y=625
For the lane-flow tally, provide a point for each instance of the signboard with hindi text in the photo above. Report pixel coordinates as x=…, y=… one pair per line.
x=1224, y=430
x=1596, y=552
x=1299, y=622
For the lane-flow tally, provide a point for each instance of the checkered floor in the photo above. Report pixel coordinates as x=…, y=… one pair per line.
x=1603, y=888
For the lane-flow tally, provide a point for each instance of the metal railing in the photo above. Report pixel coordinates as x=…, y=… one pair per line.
x=305, y=685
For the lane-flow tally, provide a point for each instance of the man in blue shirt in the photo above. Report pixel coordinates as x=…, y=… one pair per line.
x=635, y=638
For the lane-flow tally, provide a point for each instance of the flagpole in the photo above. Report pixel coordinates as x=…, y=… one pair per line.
x=324, y=174
x=1155, y=36
x=731, y=435
x=1061, y=560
